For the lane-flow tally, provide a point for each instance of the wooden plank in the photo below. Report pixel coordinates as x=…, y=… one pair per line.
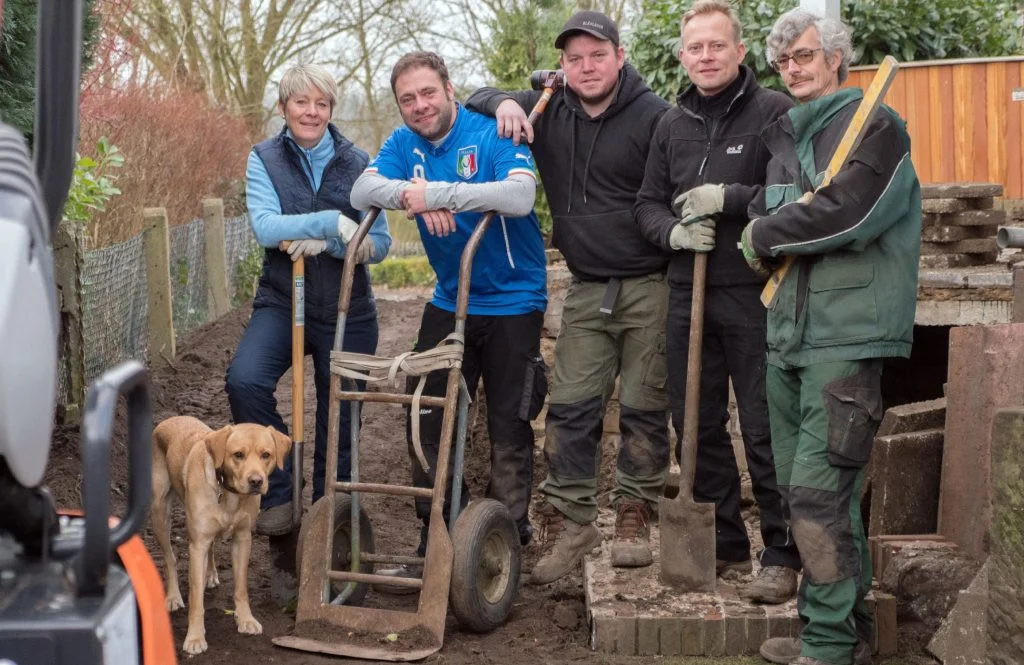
x=158, y=285
x=975, y=246
x=947, y=137
x=996, y=104
x=962, y=119
x=1014, y=180
x=978, y=135
x=919, y=121
x=935, y=127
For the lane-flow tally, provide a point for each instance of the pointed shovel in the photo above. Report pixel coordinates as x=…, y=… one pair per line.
x=687, y=551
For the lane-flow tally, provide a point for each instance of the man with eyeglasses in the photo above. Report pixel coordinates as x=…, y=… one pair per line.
x=847, y=303
x=705, y=164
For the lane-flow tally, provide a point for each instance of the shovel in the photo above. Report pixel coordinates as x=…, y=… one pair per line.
x=687, y=551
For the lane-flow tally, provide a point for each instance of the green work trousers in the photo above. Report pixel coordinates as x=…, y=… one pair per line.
x=823, y=422
x=592, y=349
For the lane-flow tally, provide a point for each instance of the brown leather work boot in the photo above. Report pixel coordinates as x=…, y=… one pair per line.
x=564, y=542
x=786, y=651
x=632, y=545
x=773, y=585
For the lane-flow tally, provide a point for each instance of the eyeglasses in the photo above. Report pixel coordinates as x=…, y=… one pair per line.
x=801, y=57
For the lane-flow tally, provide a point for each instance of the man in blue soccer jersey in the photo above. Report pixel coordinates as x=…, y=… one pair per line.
x=447, y=166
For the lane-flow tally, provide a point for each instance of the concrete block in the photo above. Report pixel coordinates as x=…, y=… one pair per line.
x=949, y=261
x=1006, y=564
x=670, y=637
x=972, y=246
x=962, y=312
x=932, y=207
x=779, y=624
x=973, y=221
x=735, y=636
x=986, y=372
x=757, y=632
x=612, y=633
x=961, y=637
x=905, y=473
x=692, y=636
x=648, y=636
x=934, y=233
x=714, y=635
x=961, y=190
x=913, y=417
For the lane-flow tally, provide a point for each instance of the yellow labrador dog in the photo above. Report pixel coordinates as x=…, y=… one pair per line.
x=219, y=477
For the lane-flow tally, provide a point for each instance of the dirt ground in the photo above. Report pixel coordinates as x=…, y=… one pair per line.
x=547, y=624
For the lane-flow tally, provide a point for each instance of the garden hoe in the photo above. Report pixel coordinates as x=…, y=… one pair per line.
x=687, y=550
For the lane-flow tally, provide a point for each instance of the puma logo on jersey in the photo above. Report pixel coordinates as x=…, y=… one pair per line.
x=525, y=158
x=419, y=153
x=734, y=149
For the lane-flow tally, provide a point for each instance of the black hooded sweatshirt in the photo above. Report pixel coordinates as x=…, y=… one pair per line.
x=714, y=139
x=591, y=169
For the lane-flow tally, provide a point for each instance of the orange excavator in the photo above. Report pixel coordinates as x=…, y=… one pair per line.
x=74, y=588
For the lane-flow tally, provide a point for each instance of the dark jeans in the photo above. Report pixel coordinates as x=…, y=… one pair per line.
x=264, y=354
x=502, y=350
x=734, y=346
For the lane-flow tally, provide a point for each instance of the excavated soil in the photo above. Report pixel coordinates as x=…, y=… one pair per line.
x=547, y=624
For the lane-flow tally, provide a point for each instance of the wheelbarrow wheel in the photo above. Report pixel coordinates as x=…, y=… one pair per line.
x=485, y=565
x=312, y=535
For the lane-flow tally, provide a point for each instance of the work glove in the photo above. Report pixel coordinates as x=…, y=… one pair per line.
x=755, y=262
x=347, y=227
x=364, y=253
x=703, y=200
x=694, y=233
x=306, y=247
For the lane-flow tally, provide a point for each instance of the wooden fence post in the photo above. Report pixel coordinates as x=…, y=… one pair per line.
x=158, y=278
x=68, y=259
x=216, y=264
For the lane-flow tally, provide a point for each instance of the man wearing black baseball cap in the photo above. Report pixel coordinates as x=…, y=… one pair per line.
x=591, y=147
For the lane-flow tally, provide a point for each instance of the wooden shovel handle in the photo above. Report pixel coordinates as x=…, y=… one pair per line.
x=691, y=416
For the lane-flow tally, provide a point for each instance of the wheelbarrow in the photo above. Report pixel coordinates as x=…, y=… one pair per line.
x=473, y=565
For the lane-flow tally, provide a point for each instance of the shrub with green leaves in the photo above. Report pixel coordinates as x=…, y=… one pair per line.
x=399, y=272
x=92, y=182
x=906, y=29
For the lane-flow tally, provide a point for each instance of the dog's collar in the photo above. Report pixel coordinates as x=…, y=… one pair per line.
x=222, y=480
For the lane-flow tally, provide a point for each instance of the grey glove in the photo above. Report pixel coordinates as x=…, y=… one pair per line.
x=346, y=227
x=365, y=251
x=695, y=233
x=306, y=247
x=703, y=200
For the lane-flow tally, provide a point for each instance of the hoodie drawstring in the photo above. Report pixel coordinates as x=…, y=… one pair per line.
x=590, y=153
x=572, y=162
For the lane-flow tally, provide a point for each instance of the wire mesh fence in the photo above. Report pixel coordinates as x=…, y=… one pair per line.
x=115, y=297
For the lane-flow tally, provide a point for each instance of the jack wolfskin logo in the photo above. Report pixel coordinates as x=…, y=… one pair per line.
x=734, y=149
x=466, y=166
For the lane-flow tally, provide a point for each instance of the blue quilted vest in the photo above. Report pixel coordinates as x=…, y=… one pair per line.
x=282, y=159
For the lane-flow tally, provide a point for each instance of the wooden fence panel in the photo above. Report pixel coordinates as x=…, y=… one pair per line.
x=964, y=125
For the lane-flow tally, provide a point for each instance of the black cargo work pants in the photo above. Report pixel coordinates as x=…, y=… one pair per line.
x=505, y=352
x=735, y=346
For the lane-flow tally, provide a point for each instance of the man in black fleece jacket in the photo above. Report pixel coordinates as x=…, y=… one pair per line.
x=591, y=145
x=707, y=159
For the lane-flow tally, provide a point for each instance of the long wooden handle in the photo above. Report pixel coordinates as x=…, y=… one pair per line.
x=691, y=416
x=298, y=346
x=851, y=139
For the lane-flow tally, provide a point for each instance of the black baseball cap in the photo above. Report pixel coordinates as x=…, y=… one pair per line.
x=592, y=23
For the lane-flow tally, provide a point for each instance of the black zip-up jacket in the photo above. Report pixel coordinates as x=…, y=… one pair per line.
x=591, y=169
x=692, y=147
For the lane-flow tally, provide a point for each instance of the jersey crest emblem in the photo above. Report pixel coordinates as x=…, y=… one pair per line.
x=467, y=165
